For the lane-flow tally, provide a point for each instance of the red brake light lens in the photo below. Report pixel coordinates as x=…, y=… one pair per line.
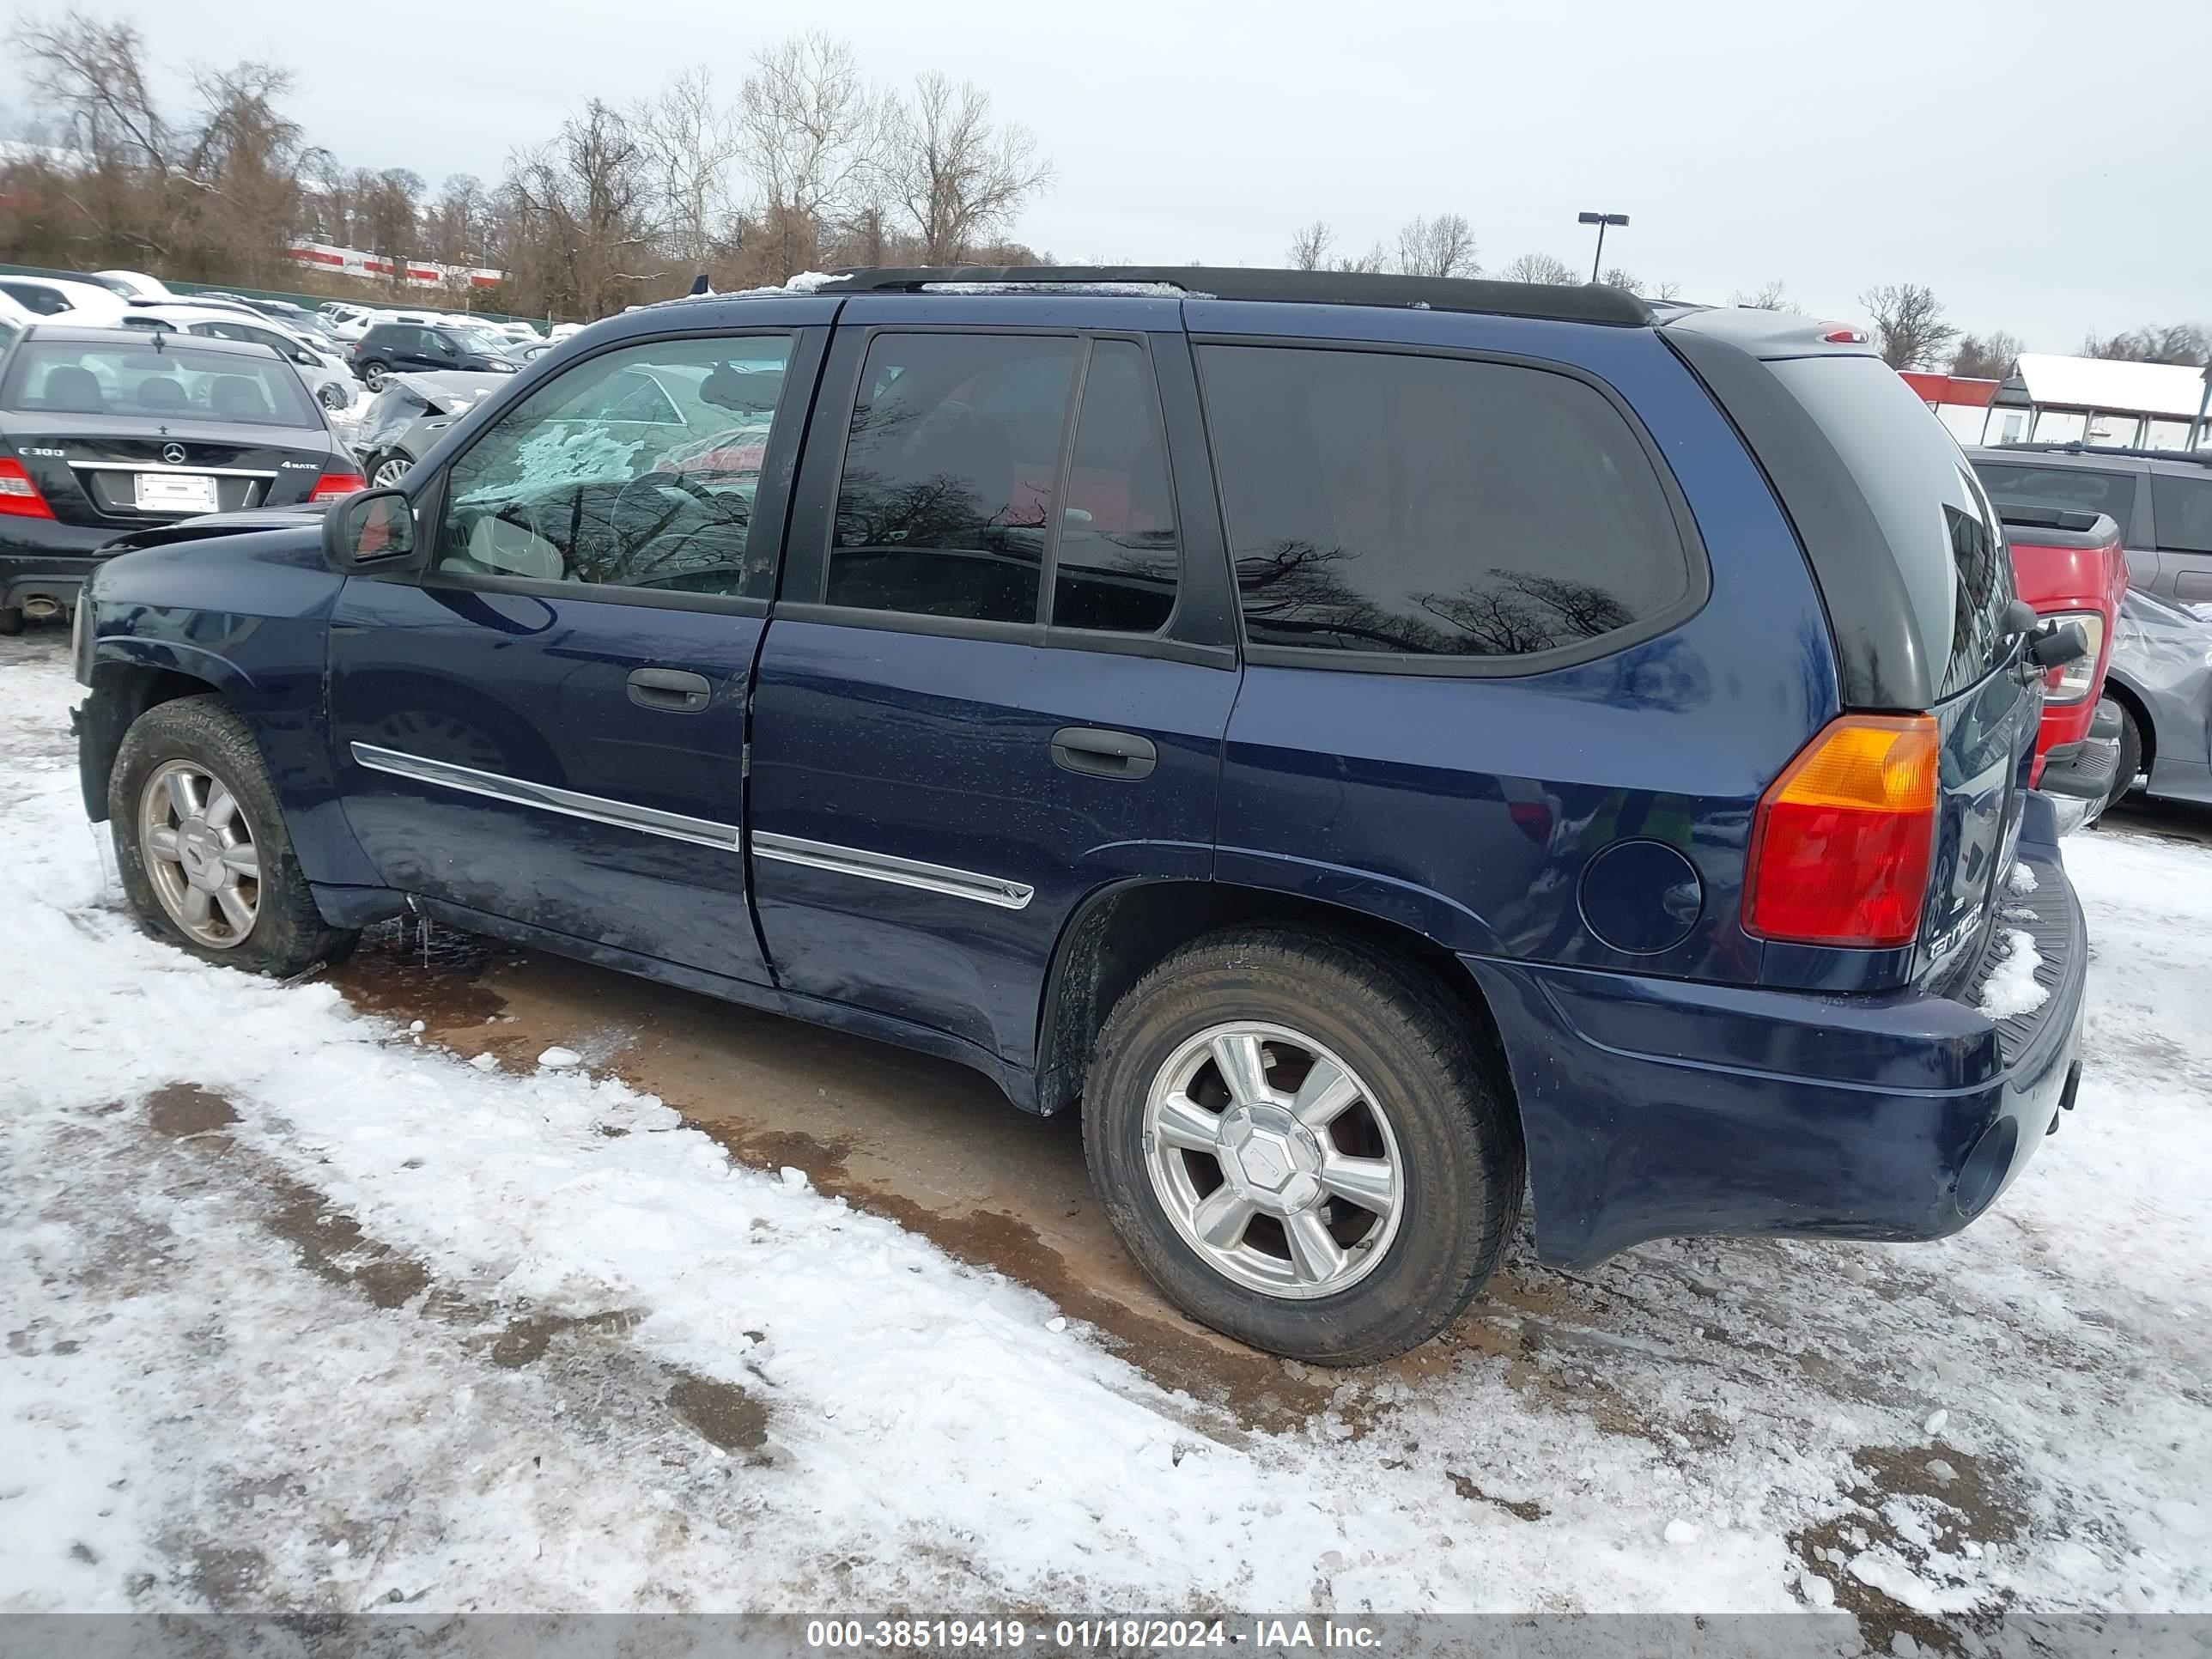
x=331, y=485
x=1843, y=840
x=19, y=496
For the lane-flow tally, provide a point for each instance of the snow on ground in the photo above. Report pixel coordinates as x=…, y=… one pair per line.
x=304, y=1314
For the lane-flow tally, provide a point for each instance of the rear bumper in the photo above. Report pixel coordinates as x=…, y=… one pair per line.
x=43, y=558
x=1658, y=1107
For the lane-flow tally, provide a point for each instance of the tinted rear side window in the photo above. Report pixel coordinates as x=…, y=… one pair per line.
x=1933, y=512
x=2182, y=508
x=2070, y=488
x=1430, y=507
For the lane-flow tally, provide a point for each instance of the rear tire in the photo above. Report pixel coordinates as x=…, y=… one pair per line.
x=206, y=861
x=1357, y=1230
x=373, y=373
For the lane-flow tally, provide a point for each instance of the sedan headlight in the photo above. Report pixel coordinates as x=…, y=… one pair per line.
x=2071, y=682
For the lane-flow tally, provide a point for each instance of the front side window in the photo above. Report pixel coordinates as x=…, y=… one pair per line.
x=1429, y=506
x=954, y=501
x=590, y=480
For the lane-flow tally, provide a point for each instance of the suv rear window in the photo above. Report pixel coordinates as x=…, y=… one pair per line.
x=1934, y=513
x=1427, y=506
x=2184, y=509
x=2070, y=488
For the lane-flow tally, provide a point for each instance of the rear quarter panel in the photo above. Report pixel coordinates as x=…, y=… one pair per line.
x=1471, y=808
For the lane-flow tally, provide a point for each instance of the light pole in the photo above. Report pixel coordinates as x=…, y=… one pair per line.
x=1600, y=220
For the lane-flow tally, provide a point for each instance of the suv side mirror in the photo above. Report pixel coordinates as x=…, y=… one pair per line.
x=372, y=530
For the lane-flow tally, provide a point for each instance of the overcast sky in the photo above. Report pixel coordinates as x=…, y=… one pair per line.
x=2043, y=165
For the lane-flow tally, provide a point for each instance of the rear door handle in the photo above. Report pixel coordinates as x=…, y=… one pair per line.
x=671, y=690
x=1104, y=754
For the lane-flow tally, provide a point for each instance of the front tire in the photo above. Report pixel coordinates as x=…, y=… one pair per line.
x=201, y=842
x=389, y=471
x=372, y=375
x=1298, y=1137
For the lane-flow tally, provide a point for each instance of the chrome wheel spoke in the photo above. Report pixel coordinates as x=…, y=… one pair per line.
x=1184, y=1124
x=1221, y=1217
x=1316, y=1255
x=222, y=804
x=196, y=906
x=1369, y=1182
x=242, y=860
x=235, y=910
x=184, y=795
x=162, y=843
x=1243, y=1072
x=1327, y=1092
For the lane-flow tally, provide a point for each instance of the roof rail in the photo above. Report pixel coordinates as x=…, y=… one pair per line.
x=1581, y=303
x=2125, y=451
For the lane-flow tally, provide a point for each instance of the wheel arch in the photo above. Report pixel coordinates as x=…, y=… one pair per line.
x=1119, y=931
x=2139, y=711
x=128, y=678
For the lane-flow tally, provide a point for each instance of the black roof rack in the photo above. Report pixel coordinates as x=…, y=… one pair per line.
x=2125, y=451
x=1583, y=303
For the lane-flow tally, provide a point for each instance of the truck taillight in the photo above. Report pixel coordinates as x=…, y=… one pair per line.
x=1841, y=845
x=331, y=485
x=18, y=494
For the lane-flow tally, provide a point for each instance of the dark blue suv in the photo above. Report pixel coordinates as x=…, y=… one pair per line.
x=1373, y=743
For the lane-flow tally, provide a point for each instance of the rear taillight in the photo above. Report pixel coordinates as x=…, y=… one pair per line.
x=331, y=485
x=1841, y=845
x=19, y=496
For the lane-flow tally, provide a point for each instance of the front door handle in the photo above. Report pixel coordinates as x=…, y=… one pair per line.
x=1104, y=754
x=670, y=690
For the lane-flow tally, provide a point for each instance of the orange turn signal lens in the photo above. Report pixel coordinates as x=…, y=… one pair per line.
x=1841, y=847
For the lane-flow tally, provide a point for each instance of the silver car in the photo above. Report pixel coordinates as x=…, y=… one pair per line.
x=410, y=414
x=2161, y=676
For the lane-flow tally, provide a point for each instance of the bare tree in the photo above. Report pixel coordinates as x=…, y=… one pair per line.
x=1442, y=246
x=1910, y=332
x=1540, y=268
x=2172, y=343
x=1310, y=246
x=956, y=175
x=1377, y=258
x=584, y=204
x=1979, y=357
x=690, y=139
x=1770, y=295
x=92, y=76
x=809, y=125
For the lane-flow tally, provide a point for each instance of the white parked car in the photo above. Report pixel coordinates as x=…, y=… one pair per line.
x=133, y=284
x=324, y=373
x=63, y=299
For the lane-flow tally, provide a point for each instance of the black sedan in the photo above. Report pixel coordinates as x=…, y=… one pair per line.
x=106, y=431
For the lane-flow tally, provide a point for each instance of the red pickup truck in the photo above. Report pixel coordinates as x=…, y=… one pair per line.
x=2070, y=568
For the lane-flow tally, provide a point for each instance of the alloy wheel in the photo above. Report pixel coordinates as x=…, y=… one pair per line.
x=390, y=472
x=1273, y=1160
x=199, y=851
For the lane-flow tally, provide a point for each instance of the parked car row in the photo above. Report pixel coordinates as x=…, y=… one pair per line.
x=1354, y=735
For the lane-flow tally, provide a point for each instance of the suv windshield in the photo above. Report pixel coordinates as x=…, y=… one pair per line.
x=130, y=378
x=1933, y=511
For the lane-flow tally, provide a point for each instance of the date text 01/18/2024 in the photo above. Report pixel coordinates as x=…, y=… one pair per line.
x=1118, y=1635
